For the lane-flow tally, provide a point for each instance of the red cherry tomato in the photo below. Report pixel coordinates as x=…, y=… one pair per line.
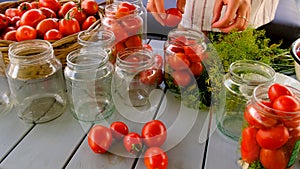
x=152, y=76
x=255, y=118
x=119, y=129
x=272, y=138
x=88, y=22
x=14, y=20
x=90, y=7
x=128, y=5
x=286, y=103
x=49, y=13
x=178, y=61
x=4, y=22
x=99, y=139
x=133, y=142
x=196, y=68
x=51, y=4
x=276, y=90
x=154, y=133
x=181, y=78
x=11, y=35
x=121, y=12
x=32, y=17
x=68, y=26
x=65, y=8
x=23, y=7
x=273, y=159
x=53, y=34
x=25, y=32
x=45, y=25
x=173, y=18
x=249, y=146
x=11, y=12
x=155, y=158
x=78, y=14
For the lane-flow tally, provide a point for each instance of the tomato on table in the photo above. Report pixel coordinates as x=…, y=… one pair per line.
x=133, y=142
x=154, y=133
x=273, y=137
x=119, y=129
x=273, y=159
x=99, y=138
x=249, y=146
x=155, y=158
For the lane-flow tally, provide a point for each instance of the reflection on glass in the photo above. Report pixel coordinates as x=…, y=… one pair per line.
x=5, y=103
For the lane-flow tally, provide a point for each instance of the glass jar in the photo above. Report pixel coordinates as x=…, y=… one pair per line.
x=36, y=81
x=270, y=137
x=184, y=70
x=128, y=29
x=142, y=12
x=98, y=39
x=5, y=102
x=88, y=78
x=131, y=82
x=242, y=77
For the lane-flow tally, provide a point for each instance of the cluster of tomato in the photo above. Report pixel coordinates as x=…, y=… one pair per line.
x=126, y=27
x=153, y=135
x=183, y=61
x=270, y=137
x=47, y=19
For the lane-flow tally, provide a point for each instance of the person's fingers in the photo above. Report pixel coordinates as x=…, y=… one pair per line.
x=229, y=15
x=217, y=10
x=156, y=7
x=181, y=5
x=240, y=23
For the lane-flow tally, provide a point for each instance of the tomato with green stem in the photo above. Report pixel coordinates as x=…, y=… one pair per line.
x=68, y=26
x=65, y=8
x=133, y=142
x=78, y=14
x=23, y=7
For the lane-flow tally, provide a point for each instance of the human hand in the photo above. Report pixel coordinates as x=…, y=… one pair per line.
x=157, y=8
x=236, y=15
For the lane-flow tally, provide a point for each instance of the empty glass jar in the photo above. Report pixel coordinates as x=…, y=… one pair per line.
x=36, y=81
x=88, y=77
x=240, y=81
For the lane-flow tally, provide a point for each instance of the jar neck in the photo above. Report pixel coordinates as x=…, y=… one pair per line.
x=252, y=73
x=100, y=38
x=111, y=9
x=135, y=58
x=30, y=51
x=185, y=36
x=78, y=60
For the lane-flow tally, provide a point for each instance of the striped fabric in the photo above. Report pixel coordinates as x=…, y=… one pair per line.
x=199, y=13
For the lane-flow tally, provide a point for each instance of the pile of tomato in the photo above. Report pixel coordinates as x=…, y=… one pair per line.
x=47, y=19
x=272, y=136
x=183, y=62
x=153, y=135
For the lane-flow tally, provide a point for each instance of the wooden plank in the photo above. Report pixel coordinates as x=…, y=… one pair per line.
x=48, y=145
x=184, y=126
x=12, y=129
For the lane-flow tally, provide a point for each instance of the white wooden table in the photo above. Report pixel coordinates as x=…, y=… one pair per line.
x=62, y=143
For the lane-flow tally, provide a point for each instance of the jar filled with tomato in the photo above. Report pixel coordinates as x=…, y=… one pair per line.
x=88, y=78
x=124, y=21
x=184, y=52
x=97, y=40
x=270, y=136
x=242, y=77
x=136, y=75
x=36, y=81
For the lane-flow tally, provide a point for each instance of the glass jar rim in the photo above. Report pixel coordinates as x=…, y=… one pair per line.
x=268, y=110
x=15, y=51
x=252, y=66
x=95, y=37
x=111, y=8
x=101, y=59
